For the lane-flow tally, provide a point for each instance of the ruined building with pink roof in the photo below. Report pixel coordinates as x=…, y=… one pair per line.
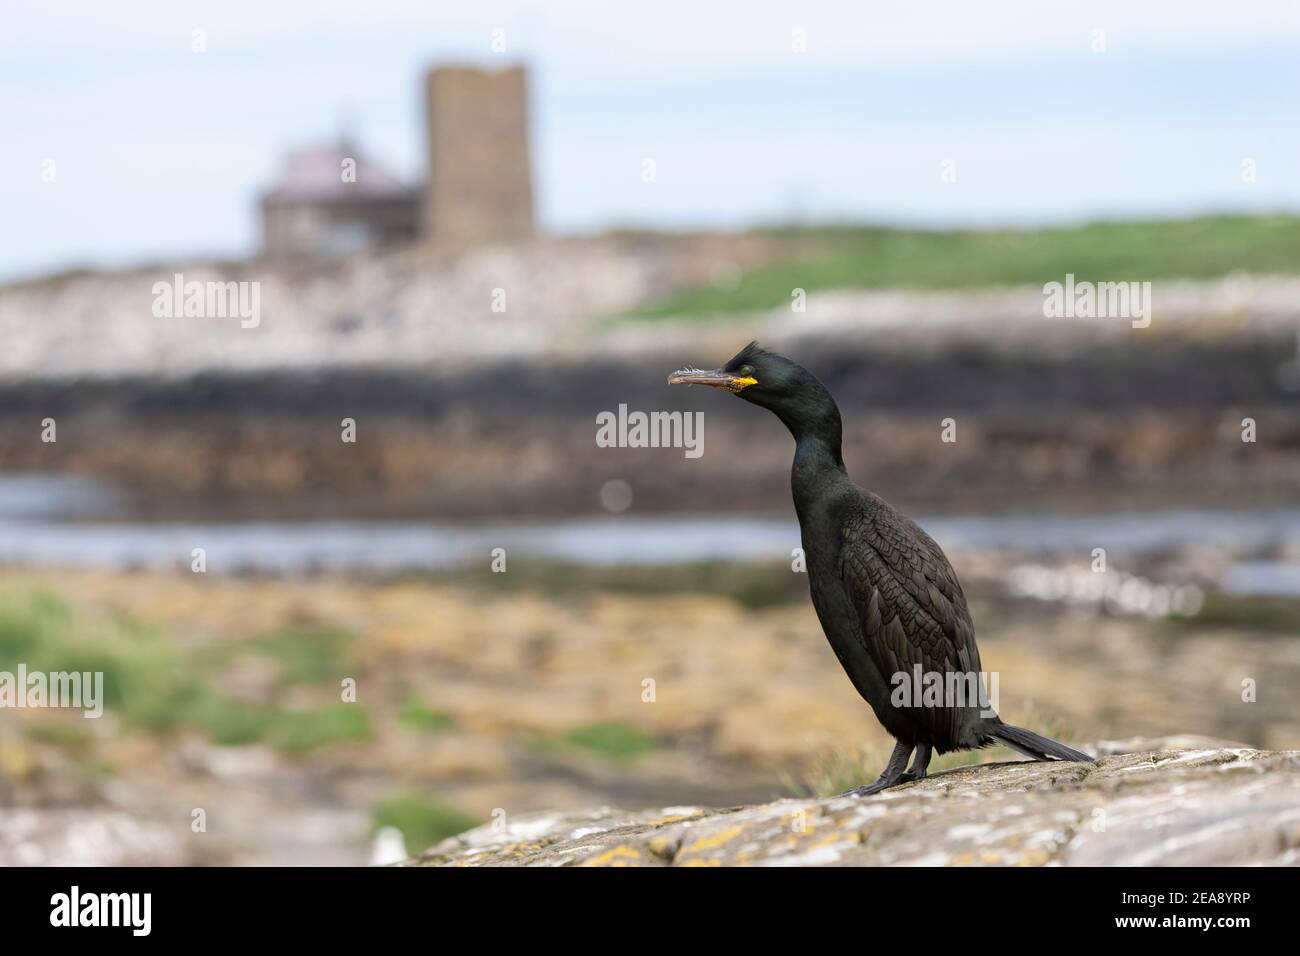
x=331, y=201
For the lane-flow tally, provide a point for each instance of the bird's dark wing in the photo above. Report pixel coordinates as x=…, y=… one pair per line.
x=910, y=606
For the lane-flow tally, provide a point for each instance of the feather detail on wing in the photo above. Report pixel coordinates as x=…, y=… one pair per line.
x=910, y=607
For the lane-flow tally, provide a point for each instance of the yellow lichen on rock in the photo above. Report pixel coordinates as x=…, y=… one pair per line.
x=621, y=855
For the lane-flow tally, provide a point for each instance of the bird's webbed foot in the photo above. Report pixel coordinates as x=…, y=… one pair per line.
x=920, y=764
x=881, y=783
x=892, y=775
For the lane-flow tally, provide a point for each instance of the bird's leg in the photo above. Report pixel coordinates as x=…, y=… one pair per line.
x=892, y=774
x=919, y=763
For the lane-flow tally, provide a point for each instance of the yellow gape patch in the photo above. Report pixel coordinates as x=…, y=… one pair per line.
x=740, y=384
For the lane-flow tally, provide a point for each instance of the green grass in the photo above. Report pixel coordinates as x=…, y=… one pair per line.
x=414, y=716
x=307, y=655
x=1270, y=615
x=423, y=820
x=60, y=733
x=863, y=258
x=230, y=723
x=611, y=740
x=26, y=623
x=302, y=730
x=145, y=679
x=155, y=685
x=753, y=585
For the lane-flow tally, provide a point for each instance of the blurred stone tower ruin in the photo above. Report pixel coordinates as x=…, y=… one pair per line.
x=330, y=201
x=480, y=187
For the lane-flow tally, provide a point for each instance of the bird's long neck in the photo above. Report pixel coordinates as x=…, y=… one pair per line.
x=818, y=463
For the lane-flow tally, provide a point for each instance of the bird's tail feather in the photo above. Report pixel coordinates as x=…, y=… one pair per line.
x=1034, y=745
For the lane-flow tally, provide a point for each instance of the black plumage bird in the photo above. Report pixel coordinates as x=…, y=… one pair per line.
x=886, y=596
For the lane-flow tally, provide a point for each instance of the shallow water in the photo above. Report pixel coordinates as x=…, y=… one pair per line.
x=35, y=529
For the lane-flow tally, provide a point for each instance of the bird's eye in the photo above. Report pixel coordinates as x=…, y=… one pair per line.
x=746, y=371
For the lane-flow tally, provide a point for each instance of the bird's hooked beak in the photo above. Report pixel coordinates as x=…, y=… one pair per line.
x=718, y=378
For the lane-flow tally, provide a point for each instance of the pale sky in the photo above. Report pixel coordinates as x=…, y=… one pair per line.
x=160, y=152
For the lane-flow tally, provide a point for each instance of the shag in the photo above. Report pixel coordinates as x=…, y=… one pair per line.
x=887, y=598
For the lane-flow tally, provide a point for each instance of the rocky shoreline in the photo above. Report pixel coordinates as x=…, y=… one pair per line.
x=1180, y=803
x=513, y=438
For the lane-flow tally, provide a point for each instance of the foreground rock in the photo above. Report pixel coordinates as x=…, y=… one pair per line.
x=1210, y=805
